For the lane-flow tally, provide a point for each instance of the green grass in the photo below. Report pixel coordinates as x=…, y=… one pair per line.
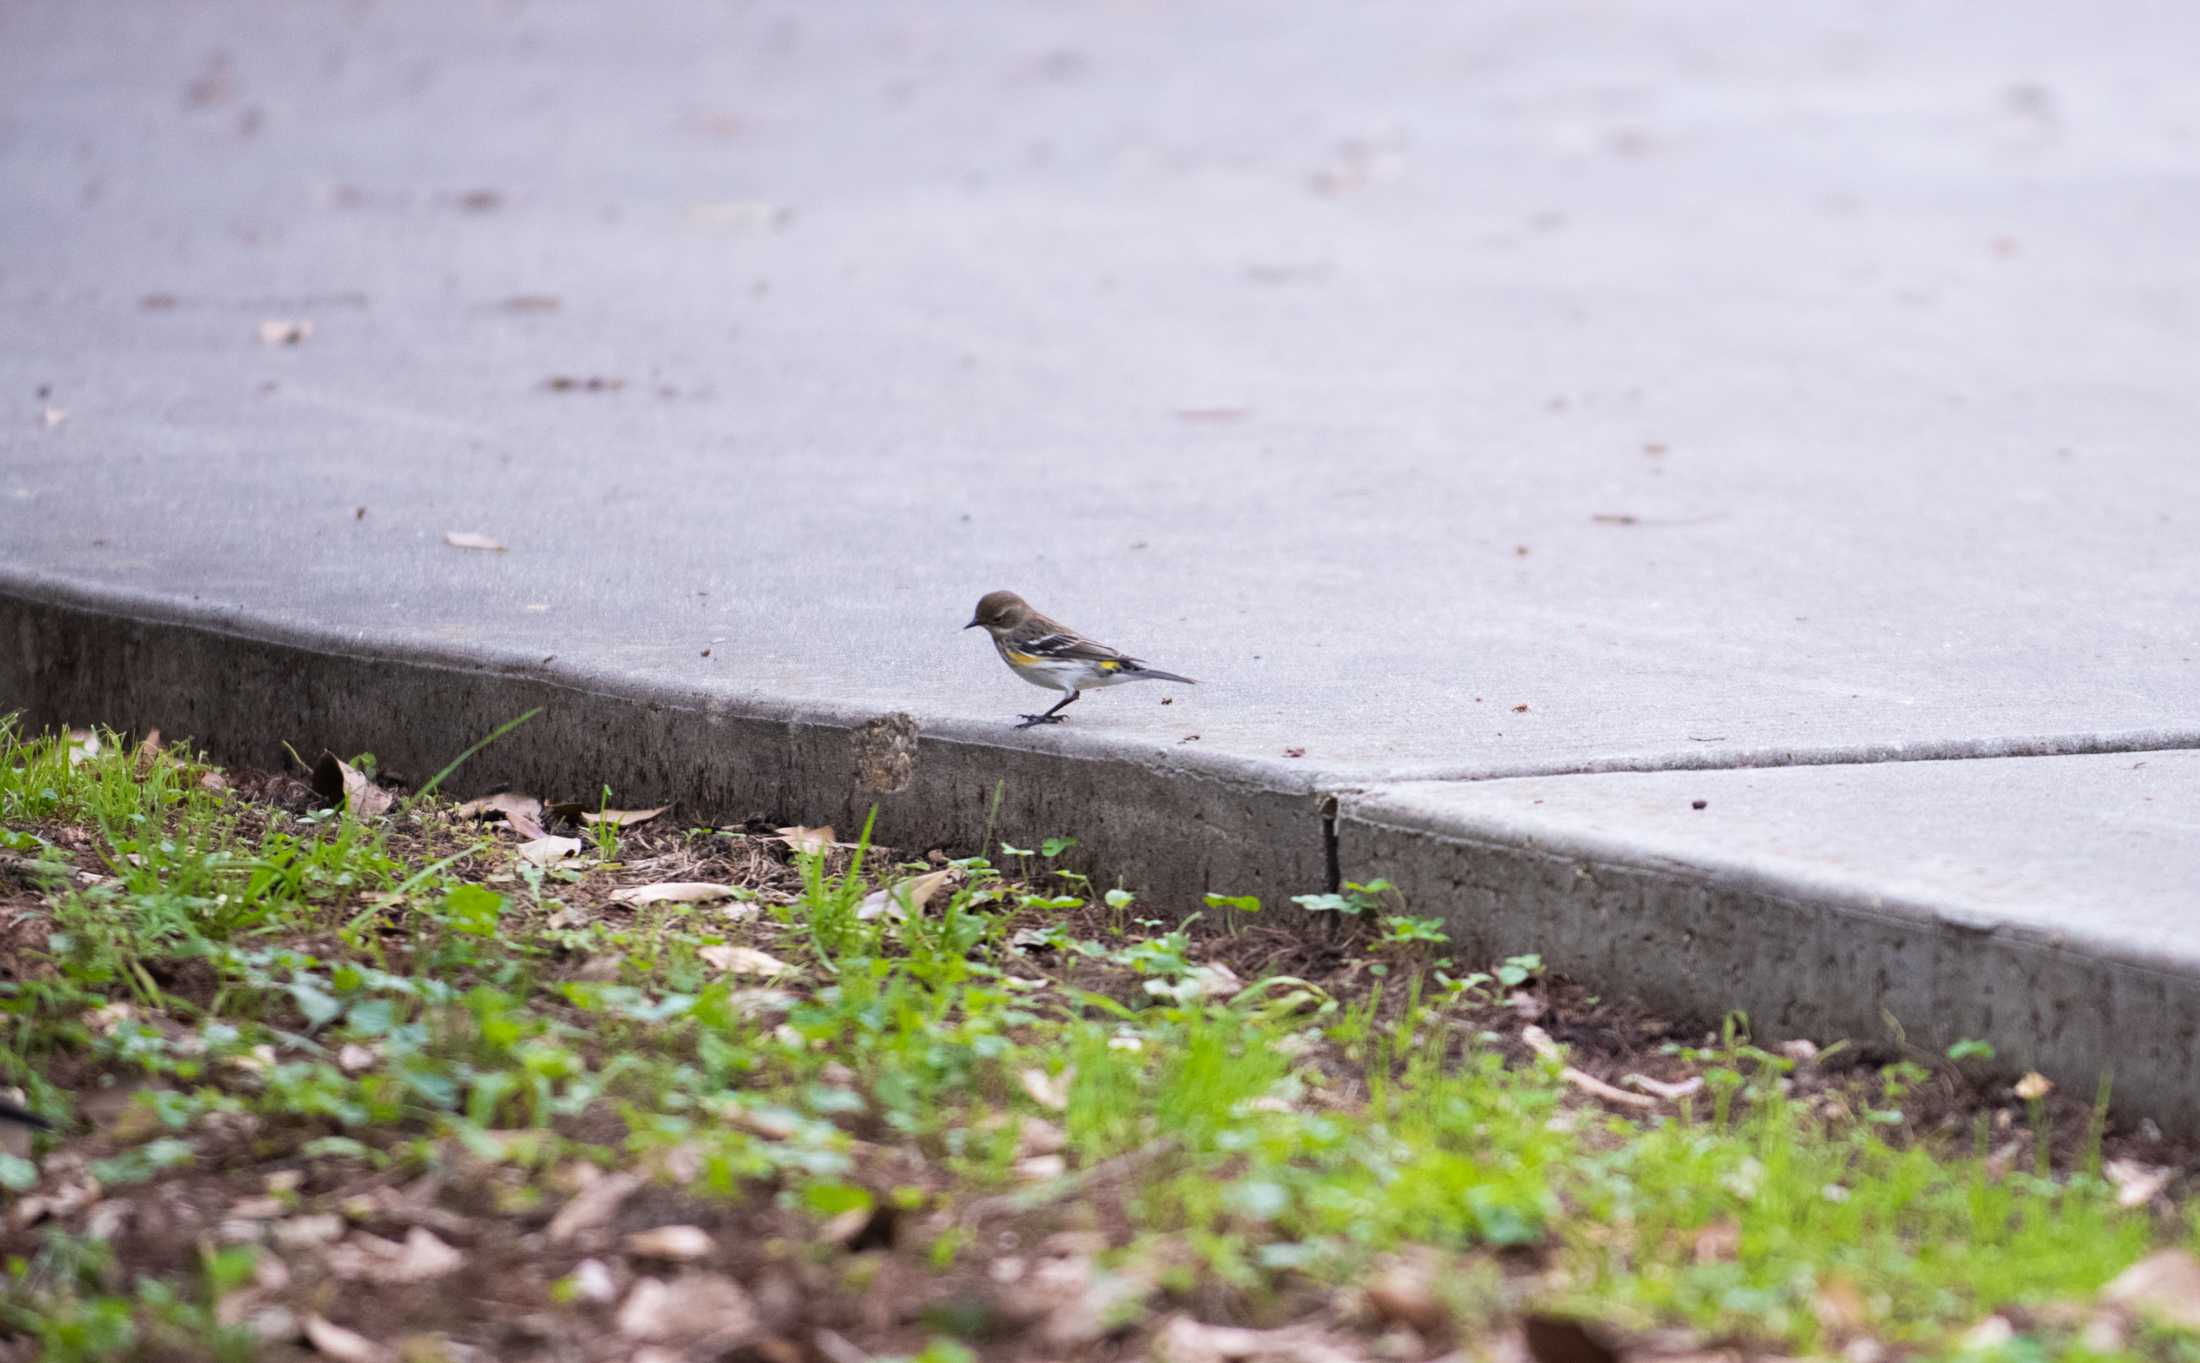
x=405, y=996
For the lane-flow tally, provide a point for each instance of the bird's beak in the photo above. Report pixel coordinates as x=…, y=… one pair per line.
x=973, y=624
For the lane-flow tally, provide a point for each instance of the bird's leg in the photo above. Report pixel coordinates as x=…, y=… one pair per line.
x=1051, y=716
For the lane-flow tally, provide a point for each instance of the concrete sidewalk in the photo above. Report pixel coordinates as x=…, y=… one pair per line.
x=1473, y=401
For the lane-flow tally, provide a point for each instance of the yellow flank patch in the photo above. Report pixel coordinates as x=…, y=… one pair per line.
x=1111, y=665
x=1023, y=659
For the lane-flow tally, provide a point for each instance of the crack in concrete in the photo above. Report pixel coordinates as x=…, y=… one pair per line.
x=1993, y=748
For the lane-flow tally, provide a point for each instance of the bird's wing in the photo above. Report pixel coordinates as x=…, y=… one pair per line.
x=1066, y=644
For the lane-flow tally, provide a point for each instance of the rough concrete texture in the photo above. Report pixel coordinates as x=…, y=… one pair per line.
x=1922, y=900
x=1504, y=389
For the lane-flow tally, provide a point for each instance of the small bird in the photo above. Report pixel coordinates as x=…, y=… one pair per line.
x=1050, y=654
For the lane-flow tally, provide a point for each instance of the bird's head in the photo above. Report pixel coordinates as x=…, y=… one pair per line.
x=998, y=612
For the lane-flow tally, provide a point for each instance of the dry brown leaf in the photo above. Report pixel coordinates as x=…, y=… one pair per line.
x=1089, y=1303
x=673, y=892
x=593, y=1283
x=342, y=785
x=83, y=745
x=621, y=818
x=591, y=1206
x=278, y=331
x=1672, y=1093
x=420, y=1258
x=1840, y=1306
x=672, y=1244
x=522, y=812
x=2163, y=1286
x=2033, y=1087
x=1050, y=1091
x=1718, y=1243
x=1404, y=1293
x=1540, y=1042
x=549, y=851
x=802, y=839
x=341, y=1344
x=743, y=961
x=705, y=1310
x=307, y=1232
x=1037, y=1136
x=903, y=897
x=1988, y=1336
x=470, y=539
x=2136, y=1183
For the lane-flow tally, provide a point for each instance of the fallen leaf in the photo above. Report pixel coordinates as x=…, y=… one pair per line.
x=673, y=1244
x=592, y=1206
x=2137, y=1184
x=621, y=818
x=1668, y=1091
x=2033, y=1087
x=53, y=416
x=705, y=1310
x=914, y=893
x=1988, y=1336
x=276, y=331
x=549, y=851
x=2164, y=1286
x=673, y=892
x=339, y=783
x=1405, y=1293
x=1718, y=1243
x=1540, y=1042
x=522, y=812
x=83, y=746
x=1036, y=1136
x=469, y=539
x=1042, y=1167
x=592, y=1282
x=743, y=961
x=371, y=1258
x=341, y=1344
x=353, y=1058
x=1840, y=1306
x=806, y=839
x=1050, y=1091
x=1092, y=1302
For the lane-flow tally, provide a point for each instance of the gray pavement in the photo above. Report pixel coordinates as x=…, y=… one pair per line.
x=1729, y=389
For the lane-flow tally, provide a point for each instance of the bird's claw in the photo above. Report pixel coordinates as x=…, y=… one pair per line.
x=1032, y=720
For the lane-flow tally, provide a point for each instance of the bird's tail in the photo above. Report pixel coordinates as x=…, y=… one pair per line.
x=1145, y=673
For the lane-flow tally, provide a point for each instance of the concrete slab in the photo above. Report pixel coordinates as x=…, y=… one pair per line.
x=1519, y=388
x=1261, y=349
x=2045, y=904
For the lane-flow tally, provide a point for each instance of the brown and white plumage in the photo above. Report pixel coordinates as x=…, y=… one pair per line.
x=1048, y=653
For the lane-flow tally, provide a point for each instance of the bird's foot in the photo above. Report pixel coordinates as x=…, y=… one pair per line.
x=1032, y=720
